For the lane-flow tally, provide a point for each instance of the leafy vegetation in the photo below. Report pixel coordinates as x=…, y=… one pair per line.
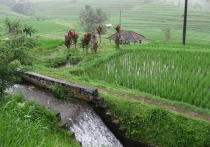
x=157, y=124
x=25, y=123
x=165, y=72
x=60, y=92
x=150, y=123
x=175, y=75
x=90, y=18
x=15, y=51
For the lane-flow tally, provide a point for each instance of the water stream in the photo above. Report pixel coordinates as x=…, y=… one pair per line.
x=89, y=129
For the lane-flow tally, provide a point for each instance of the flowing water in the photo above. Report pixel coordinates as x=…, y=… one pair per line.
x=87, y=126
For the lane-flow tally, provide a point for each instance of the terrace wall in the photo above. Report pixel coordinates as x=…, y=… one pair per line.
x=91, y=96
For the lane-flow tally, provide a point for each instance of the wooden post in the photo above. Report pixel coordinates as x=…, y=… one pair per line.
x=185, y=23
x=120, y=17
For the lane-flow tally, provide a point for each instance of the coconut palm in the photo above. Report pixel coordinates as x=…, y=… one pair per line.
x=101, y=16
x=87, y=16
x=90, y=18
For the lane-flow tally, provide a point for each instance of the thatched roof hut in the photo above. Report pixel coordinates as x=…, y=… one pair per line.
x=128, y=36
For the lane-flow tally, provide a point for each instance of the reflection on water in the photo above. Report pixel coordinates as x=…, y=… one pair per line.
x=89, y=129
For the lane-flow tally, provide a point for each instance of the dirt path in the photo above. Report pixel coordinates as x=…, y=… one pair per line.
x=178, y=109
x=185, y=111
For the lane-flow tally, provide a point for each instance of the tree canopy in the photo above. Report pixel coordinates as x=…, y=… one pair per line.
x=90, y=17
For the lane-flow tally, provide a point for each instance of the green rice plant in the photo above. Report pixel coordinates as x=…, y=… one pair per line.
x=158, y=72
x=197, y=101
x=204, y=102
x=153, y=17
x=50, y=44
x=208, y=105
x=186, y=98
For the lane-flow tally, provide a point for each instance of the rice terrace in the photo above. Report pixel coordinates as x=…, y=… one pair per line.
x=158, y=88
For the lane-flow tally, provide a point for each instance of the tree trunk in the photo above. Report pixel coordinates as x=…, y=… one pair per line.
x=86, y=49
x=100, y=38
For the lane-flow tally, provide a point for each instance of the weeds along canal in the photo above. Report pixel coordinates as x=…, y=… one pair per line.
x=87, y=126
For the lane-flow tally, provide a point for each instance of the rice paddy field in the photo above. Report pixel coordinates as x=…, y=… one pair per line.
x=164, y=70
x=169, y=71
x=148, y=19
x=177, y=75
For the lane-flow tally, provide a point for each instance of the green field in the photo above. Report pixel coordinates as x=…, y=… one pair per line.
x=172, y=74
x=170, y=82
x=177, y=75
x=145, y=18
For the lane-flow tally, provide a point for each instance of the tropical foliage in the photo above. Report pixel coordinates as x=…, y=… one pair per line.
x=176, y=75
x=71, y=38
x=85, y=41
x=14, y=51
x=90, y=17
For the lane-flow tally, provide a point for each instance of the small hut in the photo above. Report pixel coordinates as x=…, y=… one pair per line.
x=127, y=37
x=108, y=26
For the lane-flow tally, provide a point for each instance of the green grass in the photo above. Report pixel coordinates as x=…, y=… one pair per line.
x=50, y=44
x=25, y=123
x=52, y=58
x=141, y=120
x=153, y=124
x=145, y=18
x=177, y=74
x=158, y=125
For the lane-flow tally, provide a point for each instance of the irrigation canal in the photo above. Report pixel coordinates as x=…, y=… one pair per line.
x=87, y=126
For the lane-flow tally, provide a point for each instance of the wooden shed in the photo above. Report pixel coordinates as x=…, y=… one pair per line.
x=128, y=36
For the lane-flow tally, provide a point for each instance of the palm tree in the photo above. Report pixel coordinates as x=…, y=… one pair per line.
x=101, y=16
x=90, y=17
x=87, y=17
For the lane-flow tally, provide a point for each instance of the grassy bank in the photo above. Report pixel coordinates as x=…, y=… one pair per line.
x=165, y=73
x=144, y=121
x=158, y=125
x=25, y=123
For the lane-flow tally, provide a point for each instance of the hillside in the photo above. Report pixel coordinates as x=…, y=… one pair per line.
x=147, y=18
x=158, y=89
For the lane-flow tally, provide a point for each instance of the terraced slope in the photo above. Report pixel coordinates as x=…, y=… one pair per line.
x=146, y=18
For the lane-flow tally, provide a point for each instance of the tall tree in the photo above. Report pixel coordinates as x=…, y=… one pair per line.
x=90, y=17
x=87, y=15
x=100, y=15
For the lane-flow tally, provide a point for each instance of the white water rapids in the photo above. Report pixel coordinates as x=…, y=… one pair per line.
x=89, y=129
